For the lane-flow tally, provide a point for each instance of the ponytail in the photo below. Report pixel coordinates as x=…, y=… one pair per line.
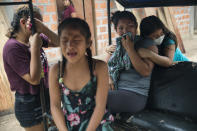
x=90, y=62
x=11, y=33
x=63, y=65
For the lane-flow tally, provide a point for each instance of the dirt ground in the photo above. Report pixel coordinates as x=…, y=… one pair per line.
x=9, y=122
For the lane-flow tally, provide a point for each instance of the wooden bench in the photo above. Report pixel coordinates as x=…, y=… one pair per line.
x=172, y=103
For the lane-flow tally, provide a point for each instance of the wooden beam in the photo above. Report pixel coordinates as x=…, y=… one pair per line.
x=172, y=27
x=177, y=32
x=94, y=27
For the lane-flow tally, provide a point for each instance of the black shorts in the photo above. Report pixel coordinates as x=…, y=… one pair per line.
x=28, y=109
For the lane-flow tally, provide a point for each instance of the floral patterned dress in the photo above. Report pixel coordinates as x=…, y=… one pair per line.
x=78, y=107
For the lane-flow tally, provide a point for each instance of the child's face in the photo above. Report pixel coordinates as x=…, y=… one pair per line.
x=156, y=34
x=73, y=45
x=126, y=25
x=66, y=2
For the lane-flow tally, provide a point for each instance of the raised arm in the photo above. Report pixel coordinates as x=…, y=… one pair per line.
x=110, y=49
x=33, y=77
x=141, y=65
x=101, y=96
x=55, y=99
x=74, y=14
x=53, y=38
x=164, y=61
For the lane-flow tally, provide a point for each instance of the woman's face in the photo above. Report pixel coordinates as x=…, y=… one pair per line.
x=73, y=45
x=26, y=22
x=126, y=25
x=155, y=35
x=25, y=27
x=66, y=2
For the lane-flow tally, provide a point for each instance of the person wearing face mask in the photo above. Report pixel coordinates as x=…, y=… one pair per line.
x=152, y=28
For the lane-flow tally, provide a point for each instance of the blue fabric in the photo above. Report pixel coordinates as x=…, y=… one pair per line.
x=168, y=42
x=178, y=55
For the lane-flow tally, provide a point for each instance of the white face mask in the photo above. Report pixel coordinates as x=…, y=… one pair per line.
x=159, y=40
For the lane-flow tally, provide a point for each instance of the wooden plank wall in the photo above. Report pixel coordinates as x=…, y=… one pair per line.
x=6, y=97
x=89, y=14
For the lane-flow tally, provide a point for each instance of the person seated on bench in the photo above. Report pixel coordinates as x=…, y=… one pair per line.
x=153, y=28
x=129, y=72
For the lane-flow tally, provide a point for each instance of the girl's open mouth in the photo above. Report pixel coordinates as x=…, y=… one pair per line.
x=72, y=54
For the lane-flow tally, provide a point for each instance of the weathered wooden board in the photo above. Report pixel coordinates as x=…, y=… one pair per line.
x=6, y=97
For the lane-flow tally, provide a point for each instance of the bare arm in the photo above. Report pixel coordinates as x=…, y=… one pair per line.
x=101, y=96
x=74, y=14
x=53, y=38
x=111, y=84
x=109, y=51
x=35, y=63
x=107, y=57
x=141, y=65
x=165, y=61
x=55, y=99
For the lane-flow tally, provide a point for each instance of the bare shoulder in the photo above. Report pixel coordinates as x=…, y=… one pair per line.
x=100, y=66
x=54, y=69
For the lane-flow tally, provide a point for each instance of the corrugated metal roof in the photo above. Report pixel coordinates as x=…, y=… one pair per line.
x=155, y=3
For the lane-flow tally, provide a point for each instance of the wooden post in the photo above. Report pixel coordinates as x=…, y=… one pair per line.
x=172, y=24
x=89, y=14
x=177, y=32
x=94, y=26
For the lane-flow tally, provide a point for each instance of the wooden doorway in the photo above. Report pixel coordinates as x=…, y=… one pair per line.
x=89, y=14
x=6, y=97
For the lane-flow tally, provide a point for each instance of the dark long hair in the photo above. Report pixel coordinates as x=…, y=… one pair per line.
x=71, y=3
x=22, y=12
x=116, y=16
x=151, y=24
x=82, y=26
